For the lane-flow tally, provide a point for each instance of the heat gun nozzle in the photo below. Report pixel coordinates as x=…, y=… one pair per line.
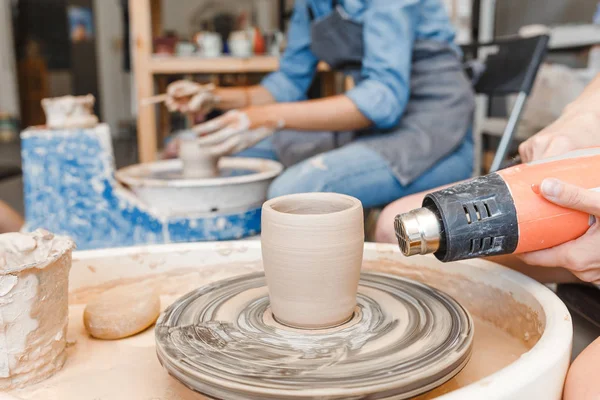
x=418, y=232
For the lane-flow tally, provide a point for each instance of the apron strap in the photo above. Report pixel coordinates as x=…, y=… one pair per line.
x=311, y=16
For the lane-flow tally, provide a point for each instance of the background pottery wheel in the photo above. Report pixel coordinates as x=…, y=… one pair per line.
x=405, y=338
x=241, y=185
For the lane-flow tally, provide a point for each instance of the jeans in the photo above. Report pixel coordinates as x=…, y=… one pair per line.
x=358, y=171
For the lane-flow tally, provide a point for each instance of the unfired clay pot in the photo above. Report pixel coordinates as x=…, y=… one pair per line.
x=34, y=311
x=198, y=162
x=70, y=112
x=312, y=246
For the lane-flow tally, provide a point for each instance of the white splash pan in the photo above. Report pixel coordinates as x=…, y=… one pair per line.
x=176, y=197
x=537, y=374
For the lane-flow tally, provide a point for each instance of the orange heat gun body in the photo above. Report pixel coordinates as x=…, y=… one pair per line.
x=500, y=213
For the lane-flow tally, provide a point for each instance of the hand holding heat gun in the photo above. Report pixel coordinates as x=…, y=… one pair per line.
x=500, y=213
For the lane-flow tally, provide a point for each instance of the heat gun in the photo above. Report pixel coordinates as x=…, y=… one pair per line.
x=500, y=213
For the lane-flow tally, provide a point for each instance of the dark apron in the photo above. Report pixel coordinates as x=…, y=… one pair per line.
x=435, y=121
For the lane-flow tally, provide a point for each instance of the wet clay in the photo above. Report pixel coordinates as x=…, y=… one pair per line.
x=312, y=249
x=197, y=161
x=121, y=312
x=128, y=368
x=403, y=336
x=34, y=274
x=69, y=112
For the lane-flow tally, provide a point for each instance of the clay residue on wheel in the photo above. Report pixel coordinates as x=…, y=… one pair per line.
x=491, y=304
x=138, y=374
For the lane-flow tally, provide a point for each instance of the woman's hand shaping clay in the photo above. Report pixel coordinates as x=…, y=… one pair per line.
x=234, y=131
x=580, y=256
x=230, y=133
x=190, y=97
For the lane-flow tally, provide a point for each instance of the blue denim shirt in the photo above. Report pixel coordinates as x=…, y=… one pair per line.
x=391, y=28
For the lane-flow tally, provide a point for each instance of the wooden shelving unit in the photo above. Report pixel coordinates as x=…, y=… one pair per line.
x=146, y=23
x=218, y=65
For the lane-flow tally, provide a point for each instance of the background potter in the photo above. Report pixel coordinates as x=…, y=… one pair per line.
x=376, y=126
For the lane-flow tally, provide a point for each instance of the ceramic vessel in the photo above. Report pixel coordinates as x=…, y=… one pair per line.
x=312, y=245
x=34, y=276
x=240, y=44
x=197, y=161
x=185, y=49
x=69, y=112
x=210, y=43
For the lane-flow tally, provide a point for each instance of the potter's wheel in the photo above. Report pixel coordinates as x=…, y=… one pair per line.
x=404, y=339
x=241, y=184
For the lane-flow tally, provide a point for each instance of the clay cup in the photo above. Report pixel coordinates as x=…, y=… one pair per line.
x=198, y=162
x=312, y=248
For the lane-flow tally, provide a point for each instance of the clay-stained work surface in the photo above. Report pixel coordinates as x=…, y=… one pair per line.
x=128, y=368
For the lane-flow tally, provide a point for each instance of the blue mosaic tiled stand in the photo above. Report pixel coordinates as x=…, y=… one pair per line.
x=70, y=189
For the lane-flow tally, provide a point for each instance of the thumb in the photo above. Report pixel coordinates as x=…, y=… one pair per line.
x=571, y=196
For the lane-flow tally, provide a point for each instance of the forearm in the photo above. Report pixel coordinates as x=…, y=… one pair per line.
x=235, y=98
x=336, y=113
x=10, y=220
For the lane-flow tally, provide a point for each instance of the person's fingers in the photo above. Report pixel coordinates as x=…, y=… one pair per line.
x=198, y=101
x=257, y=135
x=176, y=88
x=219, y=136
x=241, y=141
x=525, y=151
x=173, y=87
x=580, y=256
x=591, y=276
x=571, y=196
x=230, y=146
x=171, y=104
x=537, y=147
x=182, y=88
x=211, y=126
x=553, y=257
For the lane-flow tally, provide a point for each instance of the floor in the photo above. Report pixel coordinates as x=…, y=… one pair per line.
x=11, y=191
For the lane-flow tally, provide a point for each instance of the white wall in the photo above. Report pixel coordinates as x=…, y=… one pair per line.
x=115, y=84
x=9, y=97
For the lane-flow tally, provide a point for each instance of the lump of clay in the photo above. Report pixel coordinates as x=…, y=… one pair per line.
x=198, y=161
x=70, y=112
x=121, y=312
x=34, y=311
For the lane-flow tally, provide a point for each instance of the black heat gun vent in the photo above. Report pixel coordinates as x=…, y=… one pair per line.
x=478, y=218
x=479, y=210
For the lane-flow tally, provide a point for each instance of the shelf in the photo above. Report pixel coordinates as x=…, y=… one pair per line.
x=216, y=65
x=573, y=36
x=566, y=37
